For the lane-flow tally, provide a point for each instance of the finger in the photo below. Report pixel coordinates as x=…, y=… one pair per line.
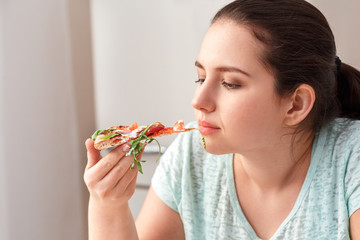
x=130, y=189
x=93, y=155
x=117, y=173
x=126, y=186
x=108, y=162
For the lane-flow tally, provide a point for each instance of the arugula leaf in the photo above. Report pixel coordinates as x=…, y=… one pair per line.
x=138, y=145
x=204, y=143
x=110, y=136
x=98, y=132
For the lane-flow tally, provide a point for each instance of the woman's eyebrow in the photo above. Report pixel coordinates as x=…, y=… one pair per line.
x=224, y=68
x=197, y=64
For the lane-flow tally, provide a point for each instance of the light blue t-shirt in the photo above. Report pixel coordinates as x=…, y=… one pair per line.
x=200, y=187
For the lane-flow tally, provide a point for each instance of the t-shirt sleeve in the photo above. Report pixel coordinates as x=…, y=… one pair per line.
x=352, y=176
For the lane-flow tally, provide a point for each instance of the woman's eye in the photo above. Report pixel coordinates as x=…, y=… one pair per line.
x=200, y=81
x=230, y=85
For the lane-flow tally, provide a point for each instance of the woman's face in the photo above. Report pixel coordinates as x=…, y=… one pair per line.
x=235, y=102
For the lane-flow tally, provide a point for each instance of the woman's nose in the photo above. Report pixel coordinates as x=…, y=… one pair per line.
x=204, y=98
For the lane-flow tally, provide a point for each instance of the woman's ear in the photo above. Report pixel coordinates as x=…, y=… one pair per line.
x=300, y=104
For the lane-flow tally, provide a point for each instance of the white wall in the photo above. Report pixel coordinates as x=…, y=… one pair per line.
x=3, y=207
x=47, y=111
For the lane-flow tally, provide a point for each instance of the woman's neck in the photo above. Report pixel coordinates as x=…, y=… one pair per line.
x=276, y=167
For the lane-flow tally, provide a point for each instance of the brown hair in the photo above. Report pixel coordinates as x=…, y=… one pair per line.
x=300, y=49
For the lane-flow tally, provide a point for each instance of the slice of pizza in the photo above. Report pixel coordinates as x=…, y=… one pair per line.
x=118, y=135
x=137, y=136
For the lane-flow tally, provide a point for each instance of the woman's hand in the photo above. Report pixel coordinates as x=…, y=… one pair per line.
x=111, y=184
x=109, y=179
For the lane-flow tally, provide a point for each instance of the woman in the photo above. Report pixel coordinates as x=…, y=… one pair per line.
x=279, y=114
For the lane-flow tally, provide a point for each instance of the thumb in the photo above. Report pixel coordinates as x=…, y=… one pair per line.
x=93, y=155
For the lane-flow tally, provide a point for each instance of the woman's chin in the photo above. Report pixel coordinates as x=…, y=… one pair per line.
x=214, y=149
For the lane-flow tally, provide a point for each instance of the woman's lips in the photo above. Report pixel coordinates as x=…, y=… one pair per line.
x=207, y=128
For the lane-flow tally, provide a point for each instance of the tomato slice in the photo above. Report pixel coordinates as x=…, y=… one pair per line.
x=133, y=126
x=156, y=127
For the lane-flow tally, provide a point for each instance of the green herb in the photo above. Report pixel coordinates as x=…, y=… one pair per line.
x=98, y=132
x=110, y=136
x=137, y=147
x=94, y=136
x=203, y=141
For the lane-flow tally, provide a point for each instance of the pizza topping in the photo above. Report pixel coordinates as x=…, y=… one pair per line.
x=203, y=141
x=138, y=145
x=179, y=126
x=99, y=132
x=108, y=136
x=154, y=128
x=138, y=136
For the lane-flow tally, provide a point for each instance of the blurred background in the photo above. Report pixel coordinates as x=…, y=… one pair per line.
x=69, y=67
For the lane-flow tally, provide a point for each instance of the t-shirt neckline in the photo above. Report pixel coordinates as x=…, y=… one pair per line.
x=318, y=145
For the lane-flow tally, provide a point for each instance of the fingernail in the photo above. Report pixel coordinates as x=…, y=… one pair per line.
x=125, y=147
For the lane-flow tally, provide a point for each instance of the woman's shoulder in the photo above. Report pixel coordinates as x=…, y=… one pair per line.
x=335, y=168
x=345, y=153
x=337, y=146
x=342, y=130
